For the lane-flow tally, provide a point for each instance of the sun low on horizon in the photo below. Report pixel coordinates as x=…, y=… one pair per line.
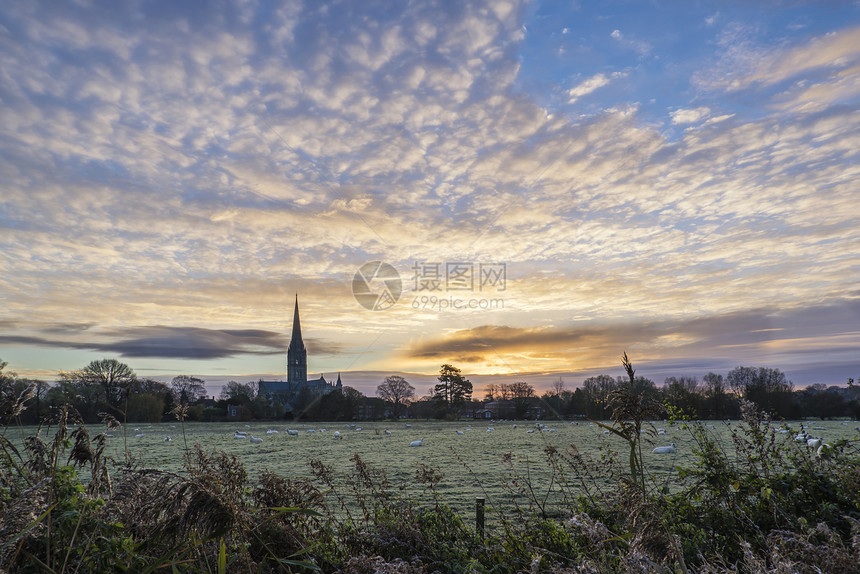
x=524, y=190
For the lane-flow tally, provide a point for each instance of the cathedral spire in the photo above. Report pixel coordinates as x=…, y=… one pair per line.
x=297, y=355
x=297, y=327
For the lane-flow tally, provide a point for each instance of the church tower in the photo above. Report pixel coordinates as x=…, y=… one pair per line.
x=297, y=355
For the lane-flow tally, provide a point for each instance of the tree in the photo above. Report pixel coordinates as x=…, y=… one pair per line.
x=353, y=400
x=453, y=391
x=521, y=395
x=557, y=387
x=144, y=396
x=374, y=408
x=718, y=403
x=114, y=378
x=423, y=408
x=187, y=389
x=87, y=399
x=491, y=392
x=238, y=393
x=767, y=388
x=853, y=400
x=145, y=408
x=563, y=403
x=819, y=401
x=683, y=393
x=304, y=402
x=396, y=390
x=149, y=387
x=596, y=392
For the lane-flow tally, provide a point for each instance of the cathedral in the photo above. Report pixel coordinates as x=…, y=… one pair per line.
x=285, y=394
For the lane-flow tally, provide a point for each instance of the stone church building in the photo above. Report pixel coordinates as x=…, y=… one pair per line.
x=285, y=394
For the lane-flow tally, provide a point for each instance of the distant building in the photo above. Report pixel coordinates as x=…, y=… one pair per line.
x=284, y=395
x=503, y=409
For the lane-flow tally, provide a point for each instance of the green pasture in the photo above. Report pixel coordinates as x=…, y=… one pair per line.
x=501, y=464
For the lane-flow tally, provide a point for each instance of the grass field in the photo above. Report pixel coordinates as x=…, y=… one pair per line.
x=496, y=464
x=357, y=498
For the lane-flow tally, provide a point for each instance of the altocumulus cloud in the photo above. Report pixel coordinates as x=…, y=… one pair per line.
x=190, y=166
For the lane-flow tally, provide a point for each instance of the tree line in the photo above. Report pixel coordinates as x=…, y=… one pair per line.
x=110, y=388
x=714, y=397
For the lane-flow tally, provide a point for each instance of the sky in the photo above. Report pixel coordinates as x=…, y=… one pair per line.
x=524, y=190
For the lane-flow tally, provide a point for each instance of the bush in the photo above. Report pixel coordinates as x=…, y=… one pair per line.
x=760, y=505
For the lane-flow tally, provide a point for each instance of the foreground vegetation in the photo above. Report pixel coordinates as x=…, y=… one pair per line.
x=766, y=504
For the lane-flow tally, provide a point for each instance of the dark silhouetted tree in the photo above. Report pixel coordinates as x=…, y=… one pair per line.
x=718, y=402
x=491, y=392
x=596, y=392
x=114, y=378
x=397, y=391
x=353, y=403
x=187, y=389
x=683, y=393
x=453, y=391
x=238, y=393
x=521, y=396
x=767, y=388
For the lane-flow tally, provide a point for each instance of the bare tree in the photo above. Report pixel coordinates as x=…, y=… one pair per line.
x=596, y=391
x=396, y=390
x=114, y=378
x=521, y=395
x=491, y=392
x=238, y=393
x=684, y=393
x=187, y=389
x=557, y=387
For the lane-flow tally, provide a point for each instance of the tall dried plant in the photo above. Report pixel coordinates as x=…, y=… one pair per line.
x=631, y=407
x=180, y=411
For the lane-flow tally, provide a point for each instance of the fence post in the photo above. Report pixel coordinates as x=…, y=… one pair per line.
x=479, y=516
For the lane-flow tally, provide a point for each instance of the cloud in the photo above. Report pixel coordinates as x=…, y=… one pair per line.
x=805, y=76
x=835, y=50
x=638, y=46
x=196, y=173
x=767, y=334
x=690, y=116
x=163, y=342
x=591, y=84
